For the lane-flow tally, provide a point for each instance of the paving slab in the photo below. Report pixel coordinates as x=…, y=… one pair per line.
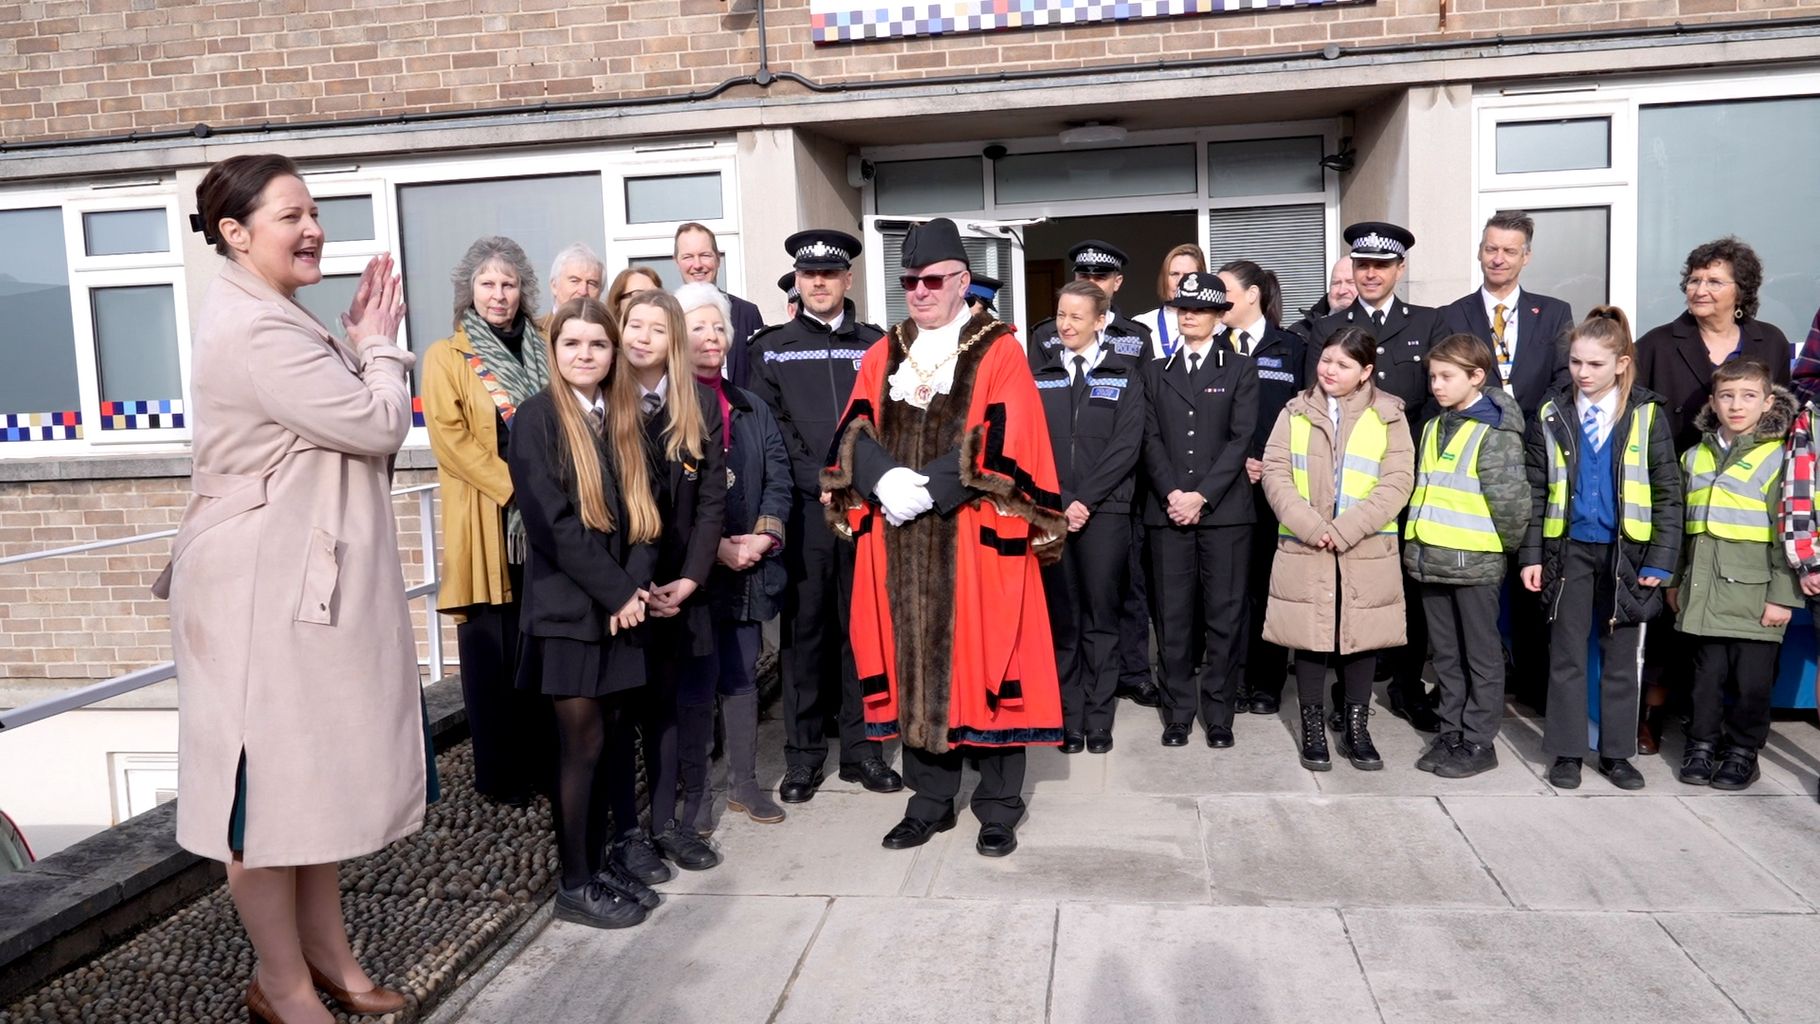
x=1341, y=851
x=1762, y=963
x=1552, y=854
x=1262, y=759
x=1782, y=772
x=1444, y=967
x=1049, y=771
x=1126, y=849
x=735, y=955
x=915, y=961
x=828, y=846
x=1781, y=833
x=1154, y=964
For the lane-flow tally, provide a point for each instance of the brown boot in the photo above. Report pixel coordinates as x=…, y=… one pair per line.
x=1649, y=725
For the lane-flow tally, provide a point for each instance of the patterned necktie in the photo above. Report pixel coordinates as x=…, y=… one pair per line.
x=1589, y=425
x=652, y=402
x=1498, y=323
x=1079, y=389
x=597, y=418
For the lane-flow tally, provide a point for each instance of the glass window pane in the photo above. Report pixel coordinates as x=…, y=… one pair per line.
x=1574, y=144
x=118, y=232
x=1264, y=167
x=929, y=186
x=1708, y=170
x=346, y=218
x=1291, y=241
x=666, y=268
x=438, y=222
x=329, y=298
x=136, y=343
x=676, y=197
x=1094, y=174
x=38, y=333
x=1571, y=256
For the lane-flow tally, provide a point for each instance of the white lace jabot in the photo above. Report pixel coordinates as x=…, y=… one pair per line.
x=933, y=350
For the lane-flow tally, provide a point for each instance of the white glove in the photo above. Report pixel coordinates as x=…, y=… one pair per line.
x=903, y=495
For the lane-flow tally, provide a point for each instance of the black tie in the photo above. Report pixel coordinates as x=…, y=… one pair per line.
x=1377, y=317
x=1194, y=365
x=1079, y=390
x=1244, y=343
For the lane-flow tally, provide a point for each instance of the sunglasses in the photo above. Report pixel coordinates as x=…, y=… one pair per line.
x=933, y=282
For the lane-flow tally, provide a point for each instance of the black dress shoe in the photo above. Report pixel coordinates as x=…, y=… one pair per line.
x=1697, y=763
x=1264, y=703
x=1175, y=735
x=1099, y=741
x=1219, y=737
x=799, y=784
x=1145, y=696
x=874, y=774
x=1737, y=769
x=996, y=840
x=598, y=906
x=635, y=856
x=685, y=849
x=1565, y=773
x=1073, y=743
x=1620, y=772
x=914, y=832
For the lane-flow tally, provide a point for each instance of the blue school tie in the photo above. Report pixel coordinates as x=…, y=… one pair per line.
x=1589, y=426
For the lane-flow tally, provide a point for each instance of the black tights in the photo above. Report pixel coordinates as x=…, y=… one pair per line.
x=1354, y=671
x=581, y=812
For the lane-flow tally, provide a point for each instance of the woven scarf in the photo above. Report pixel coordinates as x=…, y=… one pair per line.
x=509, y=382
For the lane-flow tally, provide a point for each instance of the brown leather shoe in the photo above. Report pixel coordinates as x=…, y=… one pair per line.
x=257, y=1008
x=373, y=1001
x=1646, y=737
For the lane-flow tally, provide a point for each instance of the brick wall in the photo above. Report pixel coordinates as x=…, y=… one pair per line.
x=88, y=67
x=91, y=616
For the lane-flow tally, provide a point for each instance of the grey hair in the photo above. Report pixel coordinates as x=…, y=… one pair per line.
x=577, y=252
x=493, y=249
x=696, y=294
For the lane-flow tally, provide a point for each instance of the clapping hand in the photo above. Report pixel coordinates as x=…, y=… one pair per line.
x=378, y=306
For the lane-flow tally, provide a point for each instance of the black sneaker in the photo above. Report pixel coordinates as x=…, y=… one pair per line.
x=1441, y=749
x=799, y=784
x=874, y=774
x=1696, y=763
x=685, y=849
x=631, y=888
x=598, y=906
x=1468, y=759
x=1737, y=769
x=635, y=857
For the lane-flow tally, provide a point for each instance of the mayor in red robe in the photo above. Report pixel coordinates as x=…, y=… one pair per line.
x=941, y=472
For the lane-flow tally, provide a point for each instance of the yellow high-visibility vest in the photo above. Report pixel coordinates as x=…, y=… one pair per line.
x=1635, y=498
x=1365, y=450
x=1448, y=508
x=1733, y=504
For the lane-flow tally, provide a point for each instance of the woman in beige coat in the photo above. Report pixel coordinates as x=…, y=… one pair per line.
x=301, y=732
x=1336, y=585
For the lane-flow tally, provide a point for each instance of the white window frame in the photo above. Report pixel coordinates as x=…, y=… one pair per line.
x=1197, y=202
x=1622, y=99
x=132, y=773
x=661, y=160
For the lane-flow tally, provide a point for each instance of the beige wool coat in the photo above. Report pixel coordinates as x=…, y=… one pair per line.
x=1368, y=570
x=292, y=638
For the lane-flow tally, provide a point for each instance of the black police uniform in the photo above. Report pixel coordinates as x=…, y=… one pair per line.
x=1200, y=425
x=805, y=372
x=1096, y=428
x=1405, y=336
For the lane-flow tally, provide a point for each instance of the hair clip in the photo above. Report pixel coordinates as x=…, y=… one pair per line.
x=1606, y=314
x=196, y=224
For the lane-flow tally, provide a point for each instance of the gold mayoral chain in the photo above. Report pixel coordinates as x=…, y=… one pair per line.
x=924, y=392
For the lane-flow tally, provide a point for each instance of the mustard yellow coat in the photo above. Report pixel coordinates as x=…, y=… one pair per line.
x=462, y=422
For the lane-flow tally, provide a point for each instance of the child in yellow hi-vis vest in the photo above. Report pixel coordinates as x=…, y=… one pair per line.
x=1735, y=591
x=1469, y=511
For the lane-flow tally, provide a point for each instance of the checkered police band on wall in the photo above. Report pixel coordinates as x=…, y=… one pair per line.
x=838, y=21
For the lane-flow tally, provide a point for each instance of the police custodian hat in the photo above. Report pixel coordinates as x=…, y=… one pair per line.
x=1378, y=240
x=787, y=285
x=822, y=249
x=984, y=289
x=1200, y=290
x=1096, y=257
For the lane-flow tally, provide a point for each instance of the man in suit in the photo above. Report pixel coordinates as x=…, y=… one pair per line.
x=1527, y=332
x=697, y=254
x=1405, y=332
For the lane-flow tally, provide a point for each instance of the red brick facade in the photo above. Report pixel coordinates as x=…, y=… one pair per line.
x=71, y=68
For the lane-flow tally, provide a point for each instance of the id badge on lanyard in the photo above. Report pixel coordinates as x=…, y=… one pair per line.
x=1162, y=332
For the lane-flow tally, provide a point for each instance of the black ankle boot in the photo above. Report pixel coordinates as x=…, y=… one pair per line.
x=1314, y=739
x=1355, y=741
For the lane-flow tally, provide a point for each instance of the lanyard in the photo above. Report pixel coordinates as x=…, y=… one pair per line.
x=1162, y=329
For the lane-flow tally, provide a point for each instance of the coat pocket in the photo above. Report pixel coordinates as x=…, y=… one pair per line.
x=1742, y=563
x=321, y=571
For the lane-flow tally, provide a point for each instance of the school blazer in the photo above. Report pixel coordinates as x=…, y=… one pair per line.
x=575, y=577
x=1097, y=446
x=1543, y=324
x=694, y=503
x=1198, y=434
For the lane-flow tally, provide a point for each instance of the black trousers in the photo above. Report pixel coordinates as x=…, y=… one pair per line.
x=1135, y=613
x=819, y=682
x=1263, y=661
x=1083, y=593
x=1585, y=603
x=1744, y=670
x=1408, y=661
x=1196, y=572
x=511, y=727
x=1352, y=672
x=1528, y=680
x=1468, y=657
x=935, y=780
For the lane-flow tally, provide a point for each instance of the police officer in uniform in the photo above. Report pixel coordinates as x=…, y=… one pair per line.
x=982, y=293
x=1093, y=401
x=793, y=299
x=1103, y=264
x=805, y=370
x=1405, y=333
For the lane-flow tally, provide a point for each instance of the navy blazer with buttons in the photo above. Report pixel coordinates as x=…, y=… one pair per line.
x=1408, y=334
x=1543, y=325
x=1197, y=434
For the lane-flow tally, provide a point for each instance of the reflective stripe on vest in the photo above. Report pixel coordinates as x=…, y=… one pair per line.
x=1733, y=504
x=1448, y=508
x=1365, y=450
x=1635, y=500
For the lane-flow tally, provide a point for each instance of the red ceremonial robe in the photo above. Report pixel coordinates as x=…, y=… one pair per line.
x=963, y=586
